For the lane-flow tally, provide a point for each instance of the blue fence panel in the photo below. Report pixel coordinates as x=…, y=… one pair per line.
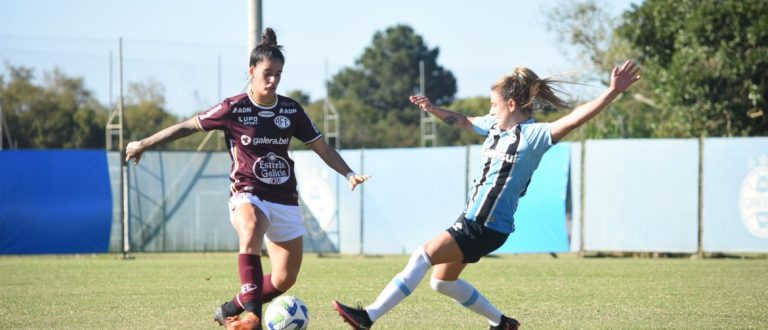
x=414, y=195
x=641, y=195
x=54, y=202
x=735, y=195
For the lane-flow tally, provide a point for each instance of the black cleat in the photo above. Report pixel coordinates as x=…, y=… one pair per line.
x=507, y=323
x=224, y=320
x=356, y=317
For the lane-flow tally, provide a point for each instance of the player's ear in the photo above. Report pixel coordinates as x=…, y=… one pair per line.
x=511, y=104
x=251, y=72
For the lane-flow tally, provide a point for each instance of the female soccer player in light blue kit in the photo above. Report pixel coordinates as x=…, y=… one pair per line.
x=512, y=150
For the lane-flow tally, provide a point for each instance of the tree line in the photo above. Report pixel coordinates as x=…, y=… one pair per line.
x=704, y=68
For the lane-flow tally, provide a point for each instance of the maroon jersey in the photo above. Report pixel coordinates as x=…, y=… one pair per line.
x=258, y=138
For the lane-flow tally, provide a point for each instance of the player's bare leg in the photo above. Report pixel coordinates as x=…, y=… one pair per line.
x=285, y=258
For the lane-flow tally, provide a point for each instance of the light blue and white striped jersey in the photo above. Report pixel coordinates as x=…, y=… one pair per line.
x=510, y=158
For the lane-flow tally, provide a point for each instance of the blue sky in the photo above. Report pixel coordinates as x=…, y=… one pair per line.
x=179, y=44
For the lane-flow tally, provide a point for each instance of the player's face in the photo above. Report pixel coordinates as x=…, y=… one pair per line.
x=265, y=77
x=497, y=103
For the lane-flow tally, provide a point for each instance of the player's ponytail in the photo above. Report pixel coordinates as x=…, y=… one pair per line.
x=528, y=90
x=267, y=49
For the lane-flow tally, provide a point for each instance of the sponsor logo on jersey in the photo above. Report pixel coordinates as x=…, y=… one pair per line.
x=248, y=120
x=272, y=169
x=753, y=198
x=242, y=110
x=289, y=111
x=282, y=122
x=267, y=140
x=266, y=114
x=245, y=140
x=499, y=155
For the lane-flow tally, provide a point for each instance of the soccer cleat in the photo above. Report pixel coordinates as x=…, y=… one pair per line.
x=356, y=317
x=507, y=323
x=249, y=321
x=222, y=320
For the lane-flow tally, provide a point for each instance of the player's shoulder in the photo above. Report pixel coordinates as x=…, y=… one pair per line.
x=287, y=102
x=239, y=99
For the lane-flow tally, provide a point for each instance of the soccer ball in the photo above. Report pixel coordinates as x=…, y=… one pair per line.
x=286, y=312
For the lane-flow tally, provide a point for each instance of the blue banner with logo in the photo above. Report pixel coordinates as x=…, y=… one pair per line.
x=54, y=202
x=735, y=195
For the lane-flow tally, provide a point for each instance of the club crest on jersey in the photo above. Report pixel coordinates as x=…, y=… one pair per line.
x=266, y=114
x=282, y=122
x=272, y=169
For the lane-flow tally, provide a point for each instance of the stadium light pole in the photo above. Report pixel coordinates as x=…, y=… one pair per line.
x=124, y=210
x=254, y=24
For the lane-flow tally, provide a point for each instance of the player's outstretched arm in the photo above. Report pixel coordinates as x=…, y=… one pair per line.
x=621, y=78
x=449, y=117
x=135, y=149
x=331, y=157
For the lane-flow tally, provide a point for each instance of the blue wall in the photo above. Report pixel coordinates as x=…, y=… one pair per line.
x=54, y=202
x=639, y=195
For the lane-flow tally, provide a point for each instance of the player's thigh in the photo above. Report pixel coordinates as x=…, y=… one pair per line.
x=250, y=223
x=448, y=271
x=285, y=258
x=443, y=249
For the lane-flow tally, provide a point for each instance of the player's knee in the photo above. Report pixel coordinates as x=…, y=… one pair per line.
x=440, y=285
x=283, y=282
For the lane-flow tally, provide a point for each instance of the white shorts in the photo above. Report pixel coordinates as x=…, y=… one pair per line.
x=285, y=221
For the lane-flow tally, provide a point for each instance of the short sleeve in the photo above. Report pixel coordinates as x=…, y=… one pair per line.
x=482, y=125
x=539, y=135
x=214, y=118
x=305, y=129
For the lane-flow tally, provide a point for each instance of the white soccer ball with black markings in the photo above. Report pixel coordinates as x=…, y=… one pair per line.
x=286, y=312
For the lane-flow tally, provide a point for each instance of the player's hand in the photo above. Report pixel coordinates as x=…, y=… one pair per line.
x=356, y=179
x=624, y=76
x=134, y=150
x=421, y=101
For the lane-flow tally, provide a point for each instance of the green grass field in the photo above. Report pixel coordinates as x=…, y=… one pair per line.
x=180, y=291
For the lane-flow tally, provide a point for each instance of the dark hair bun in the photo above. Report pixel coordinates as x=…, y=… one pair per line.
x=269, y=38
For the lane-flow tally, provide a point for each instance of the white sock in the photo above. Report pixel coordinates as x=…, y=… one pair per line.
x=466, y=295
x=401, y=285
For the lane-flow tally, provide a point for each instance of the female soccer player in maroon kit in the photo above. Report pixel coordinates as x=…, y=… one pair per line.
x=258, y=127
